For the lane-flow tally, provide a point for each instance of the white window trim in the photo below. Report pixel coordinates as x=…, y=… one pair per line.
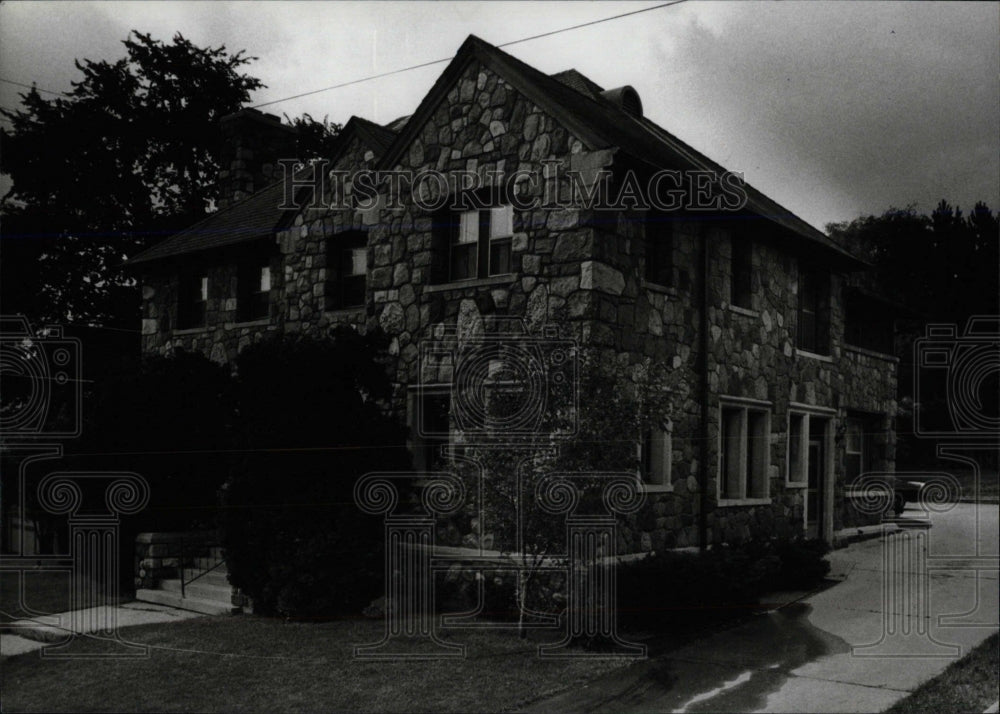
x=798, y=409
x=813, y=355
x=746, y=405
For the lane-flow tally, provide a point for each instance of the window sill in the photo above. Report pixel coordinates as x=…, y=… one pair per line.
x=656, y=488
x=659, y=288
x=259, y=322
x=726, y=502
x=796, y=484
x=813, y=355
x=871, y=353
x=505, y=279
x=190, y=330
x=746, y=312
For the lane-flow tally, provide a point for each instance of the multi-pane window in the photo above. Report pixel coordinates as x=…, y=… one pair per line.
x=191, y=301
x=347, y=268
x=741, y=272
x=253, y=301
x=814, y=311
x=659, y=248
x=655, y=455
x=480, y=243
x=744, y=452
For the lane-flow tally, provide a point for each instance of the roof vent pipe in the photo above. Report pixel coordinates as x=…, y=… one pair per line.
x=625, y=98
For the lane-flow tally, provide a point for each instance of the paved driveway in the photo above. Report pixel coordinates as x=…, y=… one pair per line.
x=856, y=647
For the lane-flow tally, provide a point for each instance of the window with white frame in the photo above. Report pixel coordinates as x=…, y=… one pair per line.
x=744, y=452
x=798, y=448
x=655, y=453
x=808, y=443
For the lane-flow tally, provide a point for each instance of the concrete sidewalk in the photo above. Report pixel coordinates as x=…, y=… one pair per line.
x=28, y=635
x=810, y=656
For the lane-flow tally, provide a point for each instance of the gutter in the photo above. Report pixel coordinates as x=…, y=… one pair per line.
x=703, y=426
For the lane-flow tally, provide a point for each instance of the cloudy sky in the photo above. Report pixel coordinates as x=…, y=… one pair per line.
x=834, y=109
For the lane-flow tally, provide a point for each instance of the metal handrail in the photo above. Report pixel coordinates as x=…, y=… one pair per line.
x=184, y=551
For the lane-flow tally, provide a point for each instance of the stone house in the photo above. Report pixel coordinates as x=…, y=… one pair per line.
x=792, y=387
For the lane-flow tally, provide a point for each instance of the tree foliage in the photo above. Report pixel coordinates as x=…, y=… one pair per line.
x=942, y=265
x=126, y=157
x=595, y=437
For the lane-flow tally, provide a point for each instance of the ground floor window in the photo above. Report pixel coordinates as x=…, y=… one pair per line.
x=655, y=453
x=744, y=451
x=858, y=442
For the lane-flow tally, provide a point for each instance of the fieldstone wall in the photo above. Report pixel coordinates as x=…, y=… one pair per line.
x=583, y=271
x=223, y=335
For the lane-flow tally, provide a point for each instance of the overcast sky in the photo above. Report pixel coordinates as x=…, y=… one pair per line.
x=833, y=109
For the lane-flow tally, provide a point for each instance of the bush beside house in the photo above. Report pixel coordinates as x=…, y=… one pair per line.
x=310, y=422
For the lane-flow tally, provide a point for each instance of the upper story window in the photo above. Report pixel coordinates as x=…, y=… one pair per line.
x=253, y=301
x=192, y=299
x=478, y=242
x=741, y=271
x=659, y=240
x=347, y=268
x=744, y=452
x=814, y=310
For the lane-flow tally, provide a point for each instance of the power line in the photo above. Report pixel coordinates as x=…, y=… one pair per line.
x=448, y=59
x=32, y=86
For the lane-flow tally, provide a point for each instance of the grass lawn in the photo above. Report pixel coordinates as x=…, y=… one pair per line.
x=43, y=591
x=969, y=685
x=248, y=663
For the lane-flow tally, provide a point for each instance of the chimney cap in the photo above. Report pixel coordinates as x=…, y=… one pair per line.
x=251, y=114
x=625, y=98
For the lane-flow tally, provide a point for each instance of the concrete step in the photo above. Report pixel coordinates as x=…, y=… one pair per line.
x=174, y=599
x=213, y=578
x=198, y=589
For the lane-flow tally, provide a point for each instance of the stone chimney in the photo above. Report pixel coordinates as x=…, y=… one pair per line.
x=252, y=143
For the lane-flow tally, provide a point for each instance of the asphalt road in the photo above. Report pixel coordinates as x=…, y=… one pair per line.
x=908, y=606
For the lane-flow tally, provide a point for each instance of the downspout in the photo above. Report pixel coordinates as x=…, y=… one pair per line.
x=703, y=349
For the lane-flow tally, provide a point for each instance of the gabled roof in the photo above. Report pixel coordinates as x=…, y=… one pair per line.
x=256, y=216
x=598, y=123
x=259, y=215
